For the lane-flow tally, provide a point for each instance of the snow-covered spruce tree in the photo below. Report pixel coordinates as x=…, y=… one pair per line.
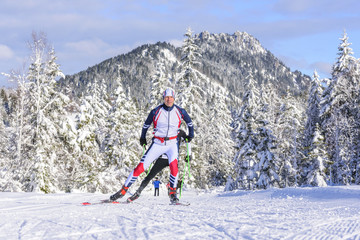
x=355, y=163
x=100, y=103
x=268, y=163
x=191, y=96
x=159, y=82
x=219, y=145
x=44, y=113
x=312, y=112
x=88, y=165
x=245, y=126
x=310, y=161
x=4, y=142
x=269, y=107
x=3, y=135
x=316, y=158
x=18, y=143
x=338, y=110
x=122, y=146
x=91, y=127
x=289, y=139
x=187, y=77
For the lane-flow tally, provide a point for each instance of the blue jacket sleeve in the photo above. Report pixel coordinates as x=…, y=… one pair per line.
x=147, y=123
x=189, y=123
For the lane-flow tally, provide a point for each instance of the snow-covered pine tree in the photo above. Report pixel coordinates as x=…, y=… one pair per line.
x=100, y=103
x=4, y=141
x=245, y=126
x=355, y=163
x=187, y=77
x=316, y=157
x=88, y=165
x=312, y=112
x=122, y=147
x=218, y=144
x=18, y=144
x=290, y=122
x=191, y=96
x=39, y=115
x=337, y=113
x=311, y=125
x=91, y=127
x=57, y=119
x=159, y=82
x=268, y=163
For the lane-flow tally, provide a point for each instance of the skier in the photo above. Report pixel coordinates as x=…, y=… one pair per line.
x=161, y=163
x=156, y=186
x=166, y=119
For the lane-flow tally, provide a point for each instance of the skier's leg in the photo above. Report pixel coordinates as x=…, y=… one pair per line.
x=174, y=173
x=159, y=165
x=173, y=154
x=150, y=155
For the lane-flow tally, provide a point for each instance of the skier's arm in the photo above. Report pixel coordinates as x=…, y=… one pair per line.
x=189, y=123
x=147, y=124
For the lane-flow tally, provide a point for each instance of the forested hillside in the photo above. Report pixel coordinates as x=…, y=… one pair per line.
x=257, y=124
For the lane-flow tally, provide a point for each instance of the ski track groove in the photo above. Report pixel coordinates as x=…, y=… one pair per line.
x=21, y=228
x=335, y=229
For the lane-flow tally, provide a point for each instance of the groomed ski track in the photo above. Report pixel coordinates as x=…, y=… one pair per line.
x=292, y=213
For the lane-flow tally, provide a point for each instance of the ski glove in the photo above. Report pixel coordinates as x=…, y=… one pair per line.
x=143, y=141
x=186, y=158
x=188, y=139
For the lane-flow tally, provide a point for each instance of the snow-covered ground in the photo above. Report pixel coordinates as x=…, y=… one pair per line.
x=292, y=213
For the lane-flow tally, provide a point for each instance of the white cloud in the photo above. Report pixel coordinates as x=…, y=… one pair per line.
x=323, y=68
x=176, y=42
x=93, y=46
x=5, y=52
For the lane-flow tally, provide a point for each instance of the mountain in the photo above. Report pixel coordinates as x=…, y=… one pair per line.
x=226, y=59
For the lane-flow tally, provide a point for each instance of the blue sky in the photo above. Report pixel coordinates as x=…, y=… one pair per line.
x=304, y=34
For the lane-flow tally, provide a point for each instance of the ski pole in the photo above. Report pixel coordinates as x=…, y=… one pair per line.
x=143, y=155
x=188, y=165
x=188, y=157
x=182, y=182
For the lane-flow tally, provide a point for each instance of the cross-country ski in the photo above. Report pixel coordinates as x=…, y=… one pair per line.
x=102, y=202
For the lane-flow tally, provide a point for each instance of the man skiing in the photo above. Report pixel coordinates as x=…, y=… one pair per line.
x=161, y=163
x=166, y=119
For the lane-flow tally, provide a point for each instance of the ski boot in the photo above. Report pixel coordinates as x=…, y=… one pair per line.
x=135, y=196
x=172, y=195
x=119, y=194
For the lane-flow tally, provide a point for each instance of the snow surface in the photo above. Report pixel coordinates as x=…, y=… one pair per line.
x=291, y=213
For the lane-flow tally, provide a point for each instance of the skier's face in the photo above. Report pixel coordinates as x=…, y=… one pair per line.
x=169, y=101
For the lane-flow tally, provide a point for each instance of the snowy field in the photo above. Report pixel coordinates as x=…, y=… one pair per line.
x=293, y=213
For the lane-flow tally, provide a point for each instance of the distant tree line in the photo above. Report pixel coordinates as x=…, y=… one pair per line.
x=83, y=134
